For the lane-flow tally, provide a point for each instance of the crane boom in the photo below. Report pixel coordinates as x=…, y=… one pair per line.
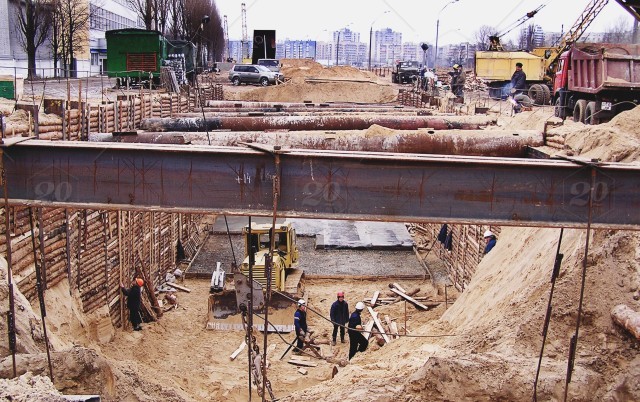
x=226, y=37
x=632, y=6
x=245, y=35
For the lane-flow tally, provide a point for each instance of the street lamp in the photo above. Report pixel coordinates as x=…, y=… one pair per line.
x=435, y=60
x=371, y=35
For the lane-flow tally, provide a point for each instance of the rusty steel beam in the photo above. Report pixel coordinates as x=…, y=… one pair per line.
x=297, y=123
x=323, y=184
x=444, y=142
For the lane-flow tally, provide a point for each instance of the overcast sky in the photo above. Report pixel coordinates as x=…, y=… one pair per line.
x=416, y=19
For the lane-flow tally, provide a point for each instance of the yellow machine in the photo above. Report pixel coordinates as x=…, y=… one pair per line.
x=228, y=294
x=497, y=65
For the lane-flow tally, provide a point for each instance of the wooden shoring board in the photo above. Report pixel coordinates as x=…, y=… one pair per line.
x=410, y=299
x=378, y=324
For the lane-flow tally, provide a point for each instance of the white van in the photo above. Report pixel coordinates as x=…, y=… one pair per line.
x=271, y=64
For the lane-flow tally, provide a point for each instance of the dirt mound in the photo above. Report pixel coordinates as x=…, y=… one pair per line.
x=29, y=388
x=300, y=91
x=302, y=68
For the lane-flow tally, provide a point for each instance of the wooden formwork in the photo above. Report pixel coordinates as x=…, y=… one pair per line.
x=466, y=248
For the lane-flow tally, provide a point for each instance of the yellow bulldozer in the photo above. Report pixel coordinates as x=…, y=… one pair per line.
x=264, y=245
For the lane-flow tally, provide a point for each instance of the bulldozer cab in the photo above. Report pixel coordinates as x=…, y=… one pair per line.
x=286, y=279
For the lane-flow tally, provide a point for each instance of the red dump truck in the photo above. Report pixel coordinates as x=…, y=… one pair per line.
x=595, y=82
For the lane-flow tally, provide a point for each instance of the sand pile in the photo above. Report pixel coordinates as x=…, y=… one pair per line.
x=29, y=388
x=310, y=81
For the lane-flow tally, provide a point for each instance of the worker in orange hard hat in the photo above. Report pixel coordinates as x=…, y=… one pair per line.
x=134, y=300
x=339, y=316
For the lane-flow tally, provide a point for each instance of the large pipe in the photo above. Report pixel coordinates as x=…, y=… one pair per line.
x=298, y=110
x=445, y=142
x=286, y=105
x=298, y=123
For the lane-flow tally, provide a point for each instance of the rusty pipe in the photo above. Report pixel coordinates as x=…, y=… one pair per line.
x=298, y=123
x=308, y=105
x=299, y=110
x=445, y=142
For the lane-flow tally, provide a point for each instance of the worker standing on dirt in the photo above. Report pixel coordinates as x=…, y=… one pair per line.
x=134, y=300
x=300, y=324
x=519, y=79
x=490, y=240
x=357, y=341
x=339, y=316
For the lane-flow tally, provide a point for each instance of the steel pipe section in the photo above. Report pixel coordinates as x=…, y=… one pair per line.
x=323, y=184
x=442, y=142
x=298, y=123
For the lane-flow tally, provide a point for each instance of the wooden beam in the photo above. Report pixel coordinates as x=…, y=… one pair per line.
x=175, y=285
x=379, y=324
x=374, y=298
x=410, y=299
x=238, y=351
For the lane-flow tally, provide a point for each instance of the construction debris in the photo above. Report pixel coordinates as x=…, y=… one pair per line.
x=627, y=318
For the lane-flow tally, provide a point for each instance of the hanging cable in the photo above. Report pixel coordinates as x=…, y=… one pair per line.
x=40, y=290
x=574, y=338
x=235, y=263
x=547, y=318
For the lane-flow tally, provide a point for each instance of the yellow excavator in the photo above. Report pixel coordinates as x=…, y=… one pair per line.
x=264, y=246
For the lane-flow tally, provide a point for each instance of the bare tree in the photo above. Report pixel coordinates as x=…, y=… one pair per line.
x=72, y=20
x=144, y=9
x=33, y=16
x=619, y=32
x=482, y=37
x=526, y=37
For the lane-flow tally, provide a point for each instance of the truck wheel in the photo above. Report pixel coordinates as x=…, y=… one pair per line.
x=546, y=94
x=590, y=114
x=579, y=111
x=536, y=93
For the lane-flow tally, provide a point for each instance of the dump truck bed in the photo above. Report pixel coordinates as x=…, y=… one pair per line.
x=604, y=68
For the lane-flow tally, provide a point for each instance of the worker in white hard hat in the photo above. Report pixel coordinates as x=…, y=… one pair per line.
x=357, y=341
x=490, y=241
x=300, y=324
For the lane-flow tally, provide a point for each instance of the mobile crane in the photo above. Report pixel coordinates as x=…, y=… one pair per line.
x=496, y=66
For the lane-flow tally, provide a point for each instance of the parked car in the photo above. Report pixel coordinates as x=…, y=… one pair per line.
x=253, y=74
x=271, y=64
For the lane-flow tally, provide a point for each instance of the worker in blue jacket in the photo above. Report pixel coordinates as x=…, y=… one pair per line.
x=490, y=241
x=339, y=314
x=357, y=341
x=300, y=324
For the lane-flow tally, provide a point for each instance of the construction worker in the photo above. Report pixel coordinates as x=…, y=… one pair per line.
x=490, y=241
x=300, y=324
x=357, y=341
x=134, y=300
x=339, y=316
x=519, y=79
x=458, y=78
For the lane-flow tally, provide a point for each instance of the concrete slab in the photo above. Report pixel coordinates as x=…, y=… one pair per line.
x=331, y=234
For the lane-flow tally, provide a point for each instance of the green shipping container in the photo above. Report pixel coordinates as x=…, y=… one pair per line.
x=11, y=87
x=135, y=53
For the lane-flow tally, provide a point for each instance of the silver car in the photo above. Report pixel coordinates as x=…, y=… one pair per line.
x=253, y=74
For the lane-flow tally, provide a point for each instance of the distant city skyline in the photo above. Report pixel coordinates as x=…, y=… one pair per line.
x=459, y=20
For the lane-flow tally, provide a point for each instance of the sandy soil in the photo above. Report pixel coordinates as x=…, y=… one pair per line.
x=484, y=347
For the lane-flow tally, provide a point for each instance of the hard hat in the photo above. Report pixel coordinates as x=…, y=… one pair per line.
x=456, y=66
x=488, y=233
x=301, y=302
x=359, y=305
x=139, y=281
x=340, y=294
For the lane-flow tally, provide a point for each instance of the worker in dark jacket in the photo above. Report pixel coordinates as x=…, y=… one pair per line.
x=519, y=80
x=490, y=240
x=357, y=341
x=339, y=316
x=300, y=324
x=458, y=79
x=134, y=300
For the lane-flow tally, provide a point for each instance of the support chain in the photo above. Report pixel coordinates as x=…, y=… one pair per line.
x=256, y=359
